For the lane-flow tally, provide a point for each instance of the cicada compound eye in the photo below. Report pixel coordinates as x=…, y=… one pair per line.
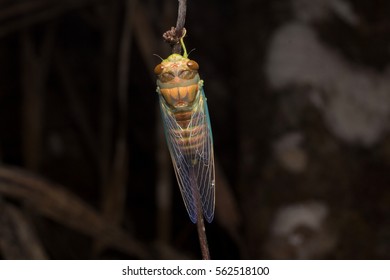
x=158, y=69
x=193, y=65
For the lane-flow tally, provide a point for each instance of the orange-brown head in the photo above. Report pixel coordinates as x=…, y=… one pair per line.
x=177, y=80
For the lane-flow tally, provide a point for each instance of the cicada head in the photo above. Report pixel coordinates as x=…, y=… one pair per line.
x=177, y=80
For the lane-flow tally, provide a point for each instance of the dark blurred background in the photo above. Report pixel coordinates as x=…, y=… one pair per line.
x=299, y=100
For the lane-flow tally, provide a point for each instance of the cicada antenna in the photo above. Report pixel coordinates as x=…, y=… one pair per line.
x=191, y=51
x=159, y=56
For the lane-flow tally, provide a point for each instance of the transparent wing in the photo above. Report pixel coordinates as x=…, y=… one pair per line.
x=192, y=154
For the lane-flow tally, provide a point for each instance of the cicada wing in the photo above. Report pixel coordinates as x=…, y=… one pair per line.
x=203, y=159
x=179, y=160
x=194, y=163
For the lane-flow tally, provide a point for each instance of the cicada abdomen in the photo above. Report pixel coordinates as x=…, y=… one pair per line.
x=188, y=132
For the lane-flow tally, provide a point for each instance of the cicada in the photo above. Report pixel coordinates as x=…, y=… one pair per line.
x=188, y=133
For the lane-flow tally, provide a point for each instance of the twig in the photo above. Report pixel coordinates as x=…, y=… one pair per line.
x=181, y=17
x=173, y=35
x=204, y=247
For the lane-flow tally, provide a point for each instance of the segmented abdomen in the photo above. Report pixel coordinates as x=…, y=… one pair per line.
x=191, y=135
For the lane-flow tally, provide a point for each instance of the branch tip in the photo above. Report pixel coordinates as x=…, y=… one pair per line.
x=174, y=35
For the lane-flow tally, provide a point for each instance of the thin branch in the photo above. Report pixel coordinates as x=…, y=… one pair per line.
x=173, y=35
x=204, y=247
x=181, y=18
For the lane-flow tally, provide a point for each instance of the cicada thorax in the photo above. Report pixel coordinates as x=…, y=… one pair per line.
x=180, y=97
